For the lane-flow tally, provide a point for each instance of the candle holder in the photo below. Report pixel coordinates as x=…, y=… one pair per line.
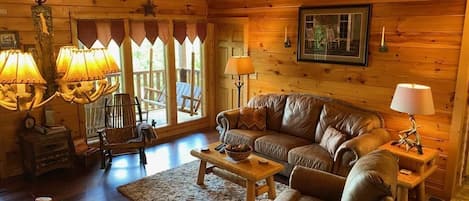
x=287, y=43
x=383, y=48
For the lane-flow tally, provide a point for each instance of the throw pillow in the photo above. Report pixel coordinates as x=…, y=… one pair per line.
x=332, y=139
x=252, y=118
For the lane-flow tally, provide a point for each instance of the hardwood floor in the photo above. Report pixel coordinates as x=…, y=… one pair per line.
x=94, y=184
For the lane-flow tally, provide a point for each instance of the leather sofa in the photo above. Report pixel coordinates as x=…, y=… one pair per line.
x=373, y=178
x=295, y=124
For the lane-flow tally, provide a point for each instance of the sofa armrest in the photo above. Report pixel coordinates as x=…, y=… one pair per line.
x=350, y=151
x=317, y=183
x=226, y=120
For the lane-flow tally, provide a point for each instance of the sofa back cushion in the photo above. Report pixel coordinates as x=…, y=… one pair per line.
x=347, y=119
x=275, y=104
x=301, y=115
x=372, y=178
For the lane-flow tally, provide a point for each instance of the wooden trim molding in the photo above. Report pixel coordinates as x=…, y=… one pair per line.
x=459, y=112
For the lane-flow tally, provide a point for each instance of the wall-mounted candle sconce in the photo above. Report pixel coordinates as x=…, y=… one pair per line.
x=383, y=47
x=286, y=42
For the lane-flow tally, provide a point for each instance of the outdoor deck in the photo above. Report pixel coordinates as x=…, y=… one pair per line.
x=159, y=115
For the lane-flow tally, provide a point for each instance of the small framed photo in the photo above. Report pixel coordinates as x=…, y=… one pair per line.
x=9, y=40
x=334, y=34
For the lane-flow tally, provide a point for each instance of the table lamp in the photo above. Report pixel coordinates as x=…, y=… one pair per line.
x=239, y=66
x=412, y=99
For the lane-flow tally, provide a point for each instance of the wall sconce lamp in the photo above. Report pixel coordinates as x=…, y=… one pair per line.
x=22, y=87
x=382, y=46
x=286, y=41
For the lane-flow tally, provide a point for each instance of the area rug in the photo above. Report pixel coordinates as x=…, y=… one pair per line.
x=180, y=184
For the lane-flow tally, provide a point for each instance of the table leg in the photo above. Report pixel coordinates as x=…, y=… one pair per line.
x=271, y=184
x=402, y=193
x=421, y=191
x=250, y=190
x=201, y=176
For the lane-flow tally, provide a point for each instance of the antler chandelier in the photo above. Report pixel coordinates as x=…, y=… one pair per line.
x=81, y=73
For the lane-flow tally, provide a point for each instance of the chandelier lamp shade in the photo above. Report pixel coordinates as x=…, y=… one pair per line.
x=81, y=77
x=63, y=59
x=21, y=85
x=85, y=78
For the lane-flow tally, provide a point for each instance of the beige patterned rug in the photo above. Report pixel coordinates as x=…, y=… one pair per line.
x=180, y=184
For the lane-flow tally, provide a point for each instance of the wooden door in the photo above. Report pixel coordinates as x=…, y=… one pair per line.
x=230, y=40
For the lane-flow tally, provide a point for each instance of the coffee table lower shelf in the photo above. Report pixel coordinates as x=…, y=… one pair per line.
x=244, y=173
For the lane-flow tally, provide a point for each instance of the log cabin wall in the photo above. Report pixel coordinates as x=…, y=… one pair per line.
x=424, y=40
x=15, y=15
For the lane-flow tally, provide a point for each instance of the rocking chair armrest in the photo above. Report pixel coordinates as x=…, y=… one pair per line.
x=152, y=90
x=184, y=98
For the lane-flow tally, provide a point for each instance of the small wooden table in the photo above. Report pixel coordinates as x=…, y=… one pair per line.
x=421, y=166
x=244, y=173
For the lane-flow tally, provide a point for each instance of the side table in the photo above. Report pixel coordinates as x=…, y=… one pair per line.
x=43, y=153
x=421, y=166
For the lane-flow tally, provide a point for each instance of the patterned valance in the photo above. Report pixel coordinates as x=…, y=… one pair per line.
x=103, y=30
x=150, y=29
x=190, y=29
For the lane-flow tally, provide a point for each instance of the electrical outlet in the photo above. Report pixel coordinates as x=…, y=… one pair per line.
x=253, y=76
x=3, y=11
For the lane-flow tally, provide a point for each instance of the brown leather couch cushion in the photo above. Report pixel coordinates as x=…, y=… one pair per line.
x=332, y=139
x=311, y=156
x=241, y=136
x=346, y=119
x=301, y=115
x=252, y=118
x=372, y=178
x=294, y=195
x=275, y=104
x=277, y=145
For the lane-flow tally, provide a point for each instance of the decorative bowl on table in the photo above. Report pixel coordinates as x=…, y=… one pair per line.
x=238, y=152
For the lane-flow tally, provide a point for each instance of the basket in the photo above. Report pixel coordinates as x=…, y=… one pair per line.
x=238, y=156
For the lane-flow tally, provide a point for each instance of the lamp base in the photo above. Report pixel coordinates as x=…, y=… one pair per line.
x=409, y=146
x=408, y=142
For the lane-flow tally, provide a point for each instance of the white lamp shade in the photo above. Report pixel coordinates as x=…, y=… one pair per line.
x=63, y=59
x=413, y=99
x=20, y=68
x=83, y=67
x=239, y=66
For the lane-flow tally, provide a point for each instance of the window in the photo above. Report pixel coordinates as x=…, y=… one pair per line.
x=189, y=80
x=150, y=81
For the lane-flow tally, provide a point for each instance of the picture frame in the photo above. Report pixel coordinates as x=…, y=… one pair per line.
x=9, y=40
x=336, y=34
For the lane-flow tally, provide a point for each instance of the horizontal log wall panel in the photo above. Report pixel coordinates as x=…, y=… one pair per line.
x=424, y=40
x=278, y=3
x=18, y=18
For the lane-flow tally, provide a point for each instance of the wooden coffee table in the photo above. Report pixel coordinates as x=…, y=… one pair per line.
x=244, y=173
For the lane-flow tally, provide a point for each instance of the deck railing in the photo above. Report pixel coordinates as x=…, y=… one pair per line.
x=95, y=111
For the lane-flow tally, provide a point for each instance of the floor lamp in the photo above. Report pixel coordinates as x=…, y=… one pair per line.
x=241, y=65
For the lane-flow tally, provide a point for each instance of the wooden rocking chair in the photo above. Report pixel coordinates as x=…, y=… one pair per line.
x=121, y=131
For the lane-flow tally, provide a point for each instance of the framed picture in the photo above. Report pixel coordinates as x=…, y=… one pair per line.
x=9, y=40
x=334, y=34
